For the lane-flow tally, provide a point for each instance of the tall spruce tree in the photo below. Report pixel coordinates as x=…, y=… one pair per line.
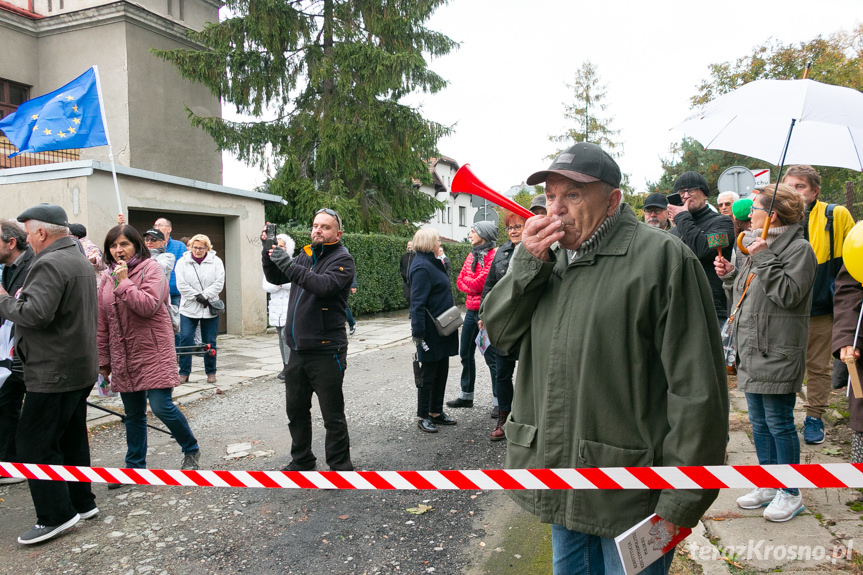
x=333, y=72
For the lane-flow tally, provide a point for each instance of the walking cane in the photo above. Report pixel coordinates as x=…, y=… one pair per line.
x=123, y=418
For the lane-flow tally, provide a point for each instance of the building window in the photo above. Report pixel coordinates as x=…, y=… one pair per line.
x=170, y=8
x=12, y=95
x=181, y=9
x=462, y=216
x=449, y=215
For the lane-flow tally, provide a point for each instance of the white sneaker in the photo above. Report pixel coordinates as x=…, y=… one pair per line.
x=756, y=498
x=784, y=507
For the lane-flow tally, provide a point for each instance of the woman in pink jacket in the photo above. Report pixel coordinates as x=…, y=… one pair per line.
x=471, y=280
x=136, y=344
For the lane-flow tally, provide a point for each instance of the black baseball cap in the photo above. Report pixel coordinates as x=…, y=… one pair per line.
x=656, y=200
x=155, y=233
x=583, y=162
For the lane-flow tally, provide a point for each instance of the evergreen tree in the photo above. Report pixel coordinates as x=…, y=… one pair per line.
x=588, y=111
x=334, y=73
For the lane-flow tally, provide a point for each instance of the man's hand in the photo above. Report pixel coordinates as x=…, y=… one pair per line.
x=3, y=291
x=674, y=210
x=281, y=258
x=540, y=232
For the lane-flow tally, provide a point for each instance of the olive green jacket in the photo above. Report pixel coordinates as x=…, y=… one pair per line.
x=620, y=365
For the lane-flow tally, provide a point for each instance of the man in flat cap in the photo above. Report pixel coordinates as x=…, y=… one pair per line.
x=620, y=361
x=55, y=336
x=693, y=222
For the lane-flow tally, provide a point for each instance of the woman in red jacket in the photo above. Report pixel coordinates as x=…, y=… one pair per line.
x=136, y=344
x=471, y=280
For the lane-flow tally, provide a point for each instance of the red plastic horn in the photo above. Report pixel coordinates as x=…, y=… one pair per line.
x=465, y=182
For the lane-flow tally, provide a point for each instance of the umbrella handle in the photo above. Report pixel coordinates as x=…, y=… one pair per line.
x=763, y=237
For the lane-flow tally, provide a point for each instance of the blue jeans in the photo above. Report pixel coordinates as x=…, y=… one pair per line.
x=503, y=389
x=175, y=300
x=773, y=431
x=467, y=349
x=209, y=330
x=135, y=404
x=575, y=553
x=351, y=322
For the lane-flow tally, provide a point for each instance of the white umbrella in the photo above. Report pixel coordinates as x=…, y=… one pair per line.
x=821, y=124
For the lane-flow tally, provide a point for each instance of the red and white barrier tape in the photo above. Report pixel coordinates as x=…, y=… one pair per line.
x=703, y=477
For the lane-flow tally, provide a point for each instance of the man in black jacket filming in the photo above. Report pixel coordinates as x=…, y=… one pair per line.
x=321, y=277
x=693, y=222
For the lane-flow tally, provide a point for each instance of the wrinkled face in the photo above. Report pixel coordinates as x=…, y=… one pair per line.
x=656, y=217
x=37, y=237
x=122, y=249
x=581, y=207
x=325, y=229
x=724, y=203
x=693, y=198
x=802, y=186
x=153, y=243
x=515, y=228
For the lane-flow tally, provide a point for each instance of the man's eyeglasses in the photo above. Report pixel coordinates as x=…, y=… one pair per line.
x=724, y=204
x=653, y=211
x=689, y=191
x=513, y=228
x=330, y=212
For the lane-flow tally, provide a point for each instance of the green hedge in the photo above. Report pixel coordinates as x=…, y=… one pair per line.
x=377, y=257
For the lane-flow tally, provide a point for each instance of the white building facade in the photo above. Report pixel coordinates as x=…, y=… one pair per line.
x=454, y=220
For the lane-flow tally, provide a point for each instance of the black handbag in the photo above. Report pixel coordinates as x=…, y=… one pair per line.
x=839, y=378
x=217, y=306
x=418, y=372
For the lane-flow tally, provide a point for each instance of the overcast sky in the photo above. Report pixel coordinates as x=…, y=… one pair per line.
x=506, y=90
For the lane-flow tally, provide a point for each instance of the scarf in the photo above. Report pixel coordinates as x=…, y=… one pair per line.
x=479, y=252
x=199, y=260
x=772, y=234
x=131, y=264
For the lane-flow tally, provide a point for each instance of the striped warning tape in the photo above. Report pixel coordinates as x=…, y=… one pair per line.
x=703, y=477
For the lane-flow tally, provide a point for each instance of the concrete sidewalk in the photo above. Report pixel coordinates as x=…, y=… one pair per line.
x=242, y=359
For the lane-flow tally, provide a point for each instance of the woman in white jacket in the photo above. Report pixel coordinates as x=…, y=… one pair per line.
x=200, y=278
x=278, y=306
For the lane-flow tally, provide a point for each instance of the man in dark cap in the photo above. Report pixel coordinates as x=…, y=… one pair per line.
x=155, y=241
x=55, y=336
x=656, y=211
x=537, y=205
x=606, y=313
x=693, y=222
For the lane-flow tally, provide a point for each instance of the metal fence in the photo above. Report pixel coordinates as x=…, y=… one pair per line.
x=6, y=148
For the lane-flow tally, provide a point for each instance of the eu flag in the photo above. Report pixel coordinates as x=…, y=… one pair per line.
x=64, y=119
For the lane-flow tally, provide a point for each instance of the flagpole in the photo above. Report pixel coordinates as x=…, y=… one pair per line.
x=108, y=138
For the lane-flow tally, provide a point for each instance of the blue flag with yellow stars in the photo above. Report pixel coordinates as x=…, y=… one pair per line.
x=65, y=119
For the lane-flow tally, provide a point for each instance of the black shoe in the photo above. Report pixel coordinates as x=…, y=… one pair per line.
x=443, y=419
x=495, y=411
x=281, y=375
x=353, y=329
x=427, y=425
x=41, y=533
x=460, y=403
x=293, y=466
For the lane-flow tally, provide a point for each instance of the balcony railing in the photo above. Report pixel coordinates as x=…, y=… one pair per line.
x=22, y=160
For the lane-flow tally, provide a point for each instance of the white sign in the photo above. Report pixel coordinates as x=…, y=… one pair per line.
x=762, y=178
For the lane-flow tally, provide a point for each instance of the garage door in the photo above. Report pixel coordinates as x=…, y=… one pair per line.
x=184, y=227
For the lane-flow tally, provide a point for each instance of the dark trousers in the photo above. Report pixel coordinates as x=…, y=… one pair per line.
x=175, y=301
x=53, y=430
x=503, y=389
x=209, y=331
x=321, y=374
x=11, y=396
x=467, y=351
x=350, y=316
x=430, y=395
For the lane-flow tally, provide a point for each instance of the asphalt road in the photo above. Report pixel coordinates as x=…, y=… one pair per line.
x=189, y=531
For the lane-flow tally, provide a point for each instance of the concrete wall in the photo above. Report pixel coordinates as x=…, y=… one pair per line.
x=91, y=200
x=19, y=58
x=195, y=12
x=163, y=139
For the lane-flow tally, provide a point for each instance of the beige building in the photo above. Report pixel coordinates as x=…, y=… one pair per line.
x=165, y=167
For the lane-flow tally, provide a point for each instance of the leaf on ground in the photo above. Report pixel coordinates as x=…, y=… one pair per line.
x=831, y=451
x=419, y=509
x=343, y=517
